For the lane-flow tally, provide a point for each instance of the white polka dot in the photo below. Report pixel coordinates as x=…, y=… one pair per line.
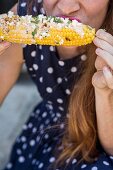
x=50, y=102
x=41, y=131
x=52, y=159
x=49, y=90
x=40, y=165
x=46, y=136
x=83, y=166
x=21, y=159
x=42, y=10
x=24, y=127
x=33, y=161
x=37, y=162
x=111, y=157
x=33, y=53
x=60, y=101
x=62, y=126
x=33, y=75
x=61, y=63
x=24, y=146
x=106, y=163
x=68, y=91
x=35, y=66
x=52, y=48
x=9, y=165
x=94, y=168
x=23, y=138
x=30, y=69
x=60, y=148
x=30, y=125
x=73, y=69
x=50, y=70
x=18, y=151
x=44, y=114
x=58, y=114
x=50, y=107
x=34, y=9
x=32, y=143
x=38, y=138
x=41, y=57
x=59, y=80
x=30, y=155
x=38, y=111
x=41, y=126
x=55, y=119
x=23, y=4
x=41, y=79
x=47, y=121
x=34, y=130
x=39, y=1
x=74, y=161
x=49, y=149
x=40, y=47
x=65, y=79
x=44, y=151
x=67, y=161
x=61, y=108
x=83, y=57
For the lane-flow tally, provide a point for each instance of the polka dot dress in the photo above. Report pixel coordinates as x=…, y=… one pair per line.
x=35, y=147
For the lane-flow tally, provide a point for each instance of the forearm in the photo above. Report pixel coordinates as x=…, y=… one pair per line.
x=10, y=65
x=14, y=8
x=104, y=114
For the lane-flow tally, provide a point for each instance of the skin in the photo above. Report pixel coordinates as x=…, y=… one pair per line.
x=92, y=13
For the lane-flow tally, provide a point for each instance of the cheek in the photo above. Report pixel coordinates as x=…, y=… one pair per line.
x=49, y=5
x=97, y=13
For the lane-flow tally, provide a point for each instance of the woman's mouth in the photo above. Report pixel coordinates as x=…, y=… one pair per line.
x=70, y=18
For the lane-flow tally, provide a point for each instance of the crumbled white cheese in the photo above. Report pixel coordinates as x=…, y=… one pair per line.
x=10, y=14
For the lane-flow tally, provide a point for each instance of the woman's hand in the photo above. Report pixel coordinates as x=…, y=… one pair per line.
x=103, y=85
x=3, y=46
x=103, y=78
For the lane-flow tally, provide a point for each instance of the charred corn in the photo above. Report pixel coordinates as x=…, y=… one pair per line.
x=44, y=30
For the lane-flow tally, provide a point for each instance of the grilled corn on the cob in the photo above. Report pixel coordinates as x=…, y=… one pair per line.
x=44, y=30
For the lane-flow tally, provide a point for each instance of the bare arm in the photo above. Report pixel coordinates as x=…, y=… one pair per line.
x=11, y=61
x=10, y=65
x=14, y=8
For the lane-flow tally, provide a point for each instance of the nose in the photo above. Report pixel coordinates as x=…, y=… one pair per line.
x=68, y=7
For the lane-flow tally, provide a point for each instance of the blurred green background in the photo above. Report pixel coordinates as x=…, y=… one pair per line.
x=5, y=5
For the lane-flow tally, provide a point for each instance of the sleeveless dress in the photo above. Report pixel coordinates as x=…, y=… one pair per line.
x=54, y=78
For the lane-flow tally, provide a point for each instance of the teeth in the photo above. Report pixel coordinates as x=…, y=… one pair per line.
x=44, y=30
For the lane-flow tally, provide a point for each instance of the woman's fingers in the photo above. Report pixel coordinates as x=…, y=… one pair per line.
x=102, y=34
x=106, y=56
x=99, y=63
x=103, y=45
x=108, y=77
x=4, y=46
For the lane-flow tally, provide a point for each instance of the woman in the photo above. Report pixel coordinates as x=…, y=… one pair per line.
x=72, y=128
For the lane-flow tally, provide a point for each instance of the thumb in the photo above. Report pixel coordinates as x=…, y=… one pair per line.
x=98, y=80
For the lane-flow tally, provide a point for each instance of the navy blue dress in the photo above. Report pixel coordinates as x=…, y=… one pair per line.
x=34, y=147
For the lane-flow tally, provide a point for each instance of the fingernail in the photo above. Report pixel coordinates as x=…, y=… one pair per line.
x=100, y=32
x=7, y=44
x=97, y=51
x=107, y=72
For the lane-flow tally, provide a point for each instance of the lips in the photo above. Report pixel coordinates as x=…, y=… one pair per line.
x=71, y=18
